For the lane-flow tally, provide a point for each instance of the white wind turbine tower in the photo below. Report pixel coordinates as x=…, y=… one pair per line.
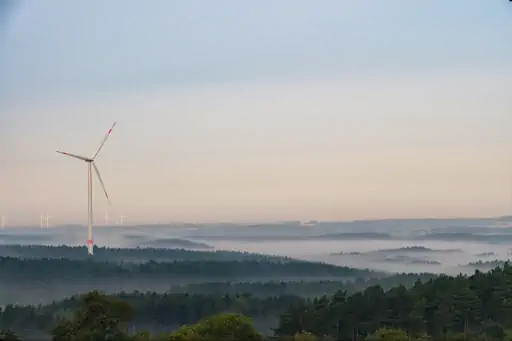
x=91, y=164
x=47, y=219
x=120, y=220
x=43, y=218
x=107, y=218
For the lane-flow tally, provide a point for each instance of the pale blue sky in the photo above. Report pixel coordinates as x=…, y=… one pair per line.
x=238, y=110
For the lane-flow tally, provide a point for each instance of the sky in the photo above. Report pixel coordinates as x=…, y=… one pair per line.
x=256, y=111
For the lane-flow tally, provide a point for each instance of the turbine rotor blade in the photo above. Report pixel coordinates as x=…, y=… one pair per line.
x=101, y=181
x=75, y=156
x=104, y=140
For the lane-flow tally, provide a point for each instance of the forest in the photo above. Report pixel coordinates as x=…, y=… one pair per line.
x=183, y=293
x=476, y=307
x=33, y=281
x=263, y=301
x=36, y=275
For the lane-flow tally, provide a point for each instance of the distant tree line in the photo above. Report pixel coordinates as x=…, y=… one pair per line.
x=300, y=288
x=487, y=265
x=144, y=254
x=15, y=269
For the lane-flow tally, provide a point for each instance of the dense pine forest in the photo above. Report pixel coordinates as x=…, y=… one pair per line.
x=477, y=307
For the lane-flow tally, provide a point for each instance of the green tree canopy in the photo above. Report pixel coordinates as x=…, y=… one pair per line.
x=100, y=317
x=221, y=327
x=388, y=334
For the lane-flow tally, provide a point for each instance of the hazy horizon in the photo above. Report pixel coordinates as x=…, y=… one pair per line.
x=256, y=112
x=100, y=221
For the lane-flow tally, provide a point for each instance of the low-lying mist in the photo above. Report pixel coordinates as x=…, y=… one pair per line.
x=429, y=245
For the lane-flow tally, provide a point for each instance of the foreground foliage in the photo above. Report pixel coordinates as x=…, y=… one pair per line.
x=104, y=318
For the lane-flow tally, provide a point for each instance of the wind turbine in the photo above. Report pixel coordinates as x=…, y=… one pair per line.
x=91, y=164
x=120, y=220
x=107, y=218
x=42, y=219
x=47, y=219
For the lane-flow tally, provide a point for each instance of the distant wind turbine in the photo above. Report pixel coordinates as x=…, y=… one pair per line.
x=107, y=218
x=120, y=220
x=91, y=164
x=47, y=217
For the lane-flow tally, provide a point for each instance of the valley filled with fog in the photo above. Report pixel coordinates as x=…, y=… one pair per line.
x=436, y=246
